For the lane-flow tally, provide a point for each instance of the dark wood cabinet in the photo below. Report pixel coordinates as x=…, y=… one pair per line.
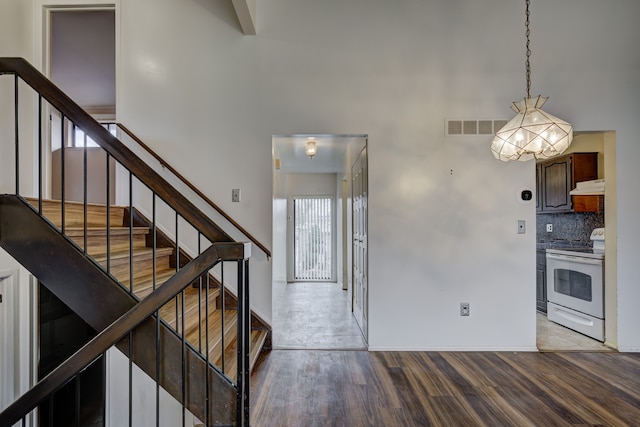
x=557, y=177
x=541, y=280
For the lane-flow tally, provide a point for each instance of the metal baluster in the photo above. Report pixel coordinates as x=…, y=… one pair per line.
x=108, y=216
x=62, y=165
x=206, y=332
x=130, y=232
x=184, y=362
x=40, y=154
x=17, y=135
x=155, y=238
x=222, y=298
x=247, y=341
x=130, y=378
x=86, y=195
x=199, y=302
x=243, y=344
x=153, y=215
x=77, y=408
x=177, y=249
x=51, y=406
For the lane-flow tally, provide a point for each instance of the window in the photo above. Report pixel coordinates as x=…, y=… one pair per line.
x=313, y=238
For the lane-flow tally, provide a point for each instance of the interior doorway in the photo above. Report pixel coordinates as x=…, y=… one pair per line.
x=79, y=57
x=315, y=294
x=572, y=229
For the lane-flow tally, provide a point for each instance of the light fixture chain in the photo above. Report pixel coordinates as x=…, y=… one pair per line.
x=528, y=64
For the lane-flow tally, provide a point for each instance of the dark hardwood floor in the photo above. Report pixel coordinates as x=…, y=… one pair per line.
x=358, y=388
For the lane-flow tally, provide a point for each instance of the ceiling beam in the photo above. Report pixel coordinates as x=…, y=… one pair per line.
x=246, y=11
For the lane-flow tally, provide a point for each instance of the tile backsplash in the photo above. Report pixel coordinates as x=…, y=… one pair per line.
x=574, y=228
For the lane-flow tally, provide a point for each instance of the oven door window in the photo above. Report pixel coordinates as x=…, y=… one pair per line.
x=573, y=284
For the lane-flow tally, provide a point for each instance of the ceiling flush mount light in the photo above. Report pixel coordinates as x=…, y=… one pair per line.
x=311, y=149
x=532, y=133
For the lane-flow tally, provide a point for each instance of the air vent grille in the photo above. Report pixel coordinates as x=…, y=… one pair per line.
x=459, y=127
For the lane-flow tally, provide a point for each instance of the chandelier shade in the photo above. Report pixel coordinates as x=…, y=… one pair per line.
x=532, y=133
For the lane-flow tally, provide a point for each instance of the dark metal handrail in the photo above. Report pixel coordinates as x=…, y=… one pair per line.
x=192, y=187
x=128, y=322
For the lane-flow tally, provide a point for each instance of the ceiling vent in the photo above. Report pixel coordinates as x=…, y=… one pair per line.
x=458, y=127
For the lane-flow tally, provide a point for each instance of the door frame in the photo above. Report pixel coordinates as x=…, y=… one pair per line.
x=362, y=314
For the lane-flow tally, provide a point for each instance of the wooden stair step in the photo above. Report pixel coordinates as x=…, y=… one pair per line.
x=142, y=259
x=143, y=285
x=119, y=238
x=215, y=336
x=74, y=213
x=256, y=342
x=191, y=308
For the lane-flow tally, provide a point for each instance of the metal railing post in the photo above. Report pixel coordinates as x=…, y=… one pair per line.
x=244, y=328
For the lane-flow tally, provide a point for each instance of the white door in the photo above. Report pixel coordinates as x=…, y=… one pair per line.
x=360, y=259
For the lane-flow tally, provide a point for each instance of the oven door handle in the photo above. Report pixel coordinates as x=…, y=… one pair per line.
x=577, y=259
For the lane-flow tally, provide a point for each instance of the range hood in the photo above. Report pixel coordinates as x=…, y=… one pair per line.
x=589, y=188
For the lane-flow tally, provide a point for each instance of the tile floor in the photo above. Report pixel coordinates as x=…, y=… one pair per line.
x=554, y=337
x=315, y=315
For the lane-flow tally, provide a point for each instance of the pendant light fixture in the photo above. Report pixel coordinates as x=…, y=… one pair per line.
x=532, y=133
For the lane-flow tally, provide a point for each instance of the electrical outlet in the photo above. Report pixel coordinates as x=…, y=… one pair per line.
x=464, y=309
x=235, y=195
x=521, y=227
x=549, y=228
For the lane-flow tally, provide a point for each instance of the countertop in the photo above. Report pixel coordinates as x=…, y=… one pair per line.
x=561, y=244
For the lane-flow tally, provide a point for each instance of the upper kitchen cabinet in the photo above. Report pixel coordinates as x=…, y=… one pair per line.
x=557, y=177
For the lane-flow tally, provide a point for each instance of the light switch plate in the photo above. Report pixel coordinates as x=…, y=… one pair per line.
x=235, y=195
x=521, y=226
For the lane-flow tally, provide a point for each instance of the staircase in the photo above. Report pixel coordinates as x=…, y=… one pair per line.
x=162, y=302
x=137, y=242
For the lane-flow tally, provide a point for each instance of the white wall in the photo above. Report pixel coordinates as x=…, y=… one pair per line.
x=208, y=98
x=143, y=397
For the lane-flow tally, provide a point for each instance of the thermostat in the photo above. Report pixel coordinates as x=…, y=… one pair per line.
x=526, y=195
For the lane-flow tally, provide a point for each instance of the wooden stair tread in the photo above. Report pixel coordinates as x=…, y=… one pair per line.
x=34, y=201
x=138, y=254
x=256, y=342
x=74, y=212
x=143, y=286
x=191, y=296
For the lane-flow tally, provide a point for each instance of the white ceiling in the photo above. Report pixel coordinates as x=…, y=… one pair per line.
x=331, y=157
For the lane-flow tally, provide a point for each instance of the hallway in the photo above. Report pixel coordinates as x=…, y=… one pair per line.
x=315, y=316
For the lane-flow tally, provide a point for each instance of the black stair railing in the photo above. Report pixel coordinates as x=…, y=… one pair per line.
x=148, y=308
x=173, y=231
